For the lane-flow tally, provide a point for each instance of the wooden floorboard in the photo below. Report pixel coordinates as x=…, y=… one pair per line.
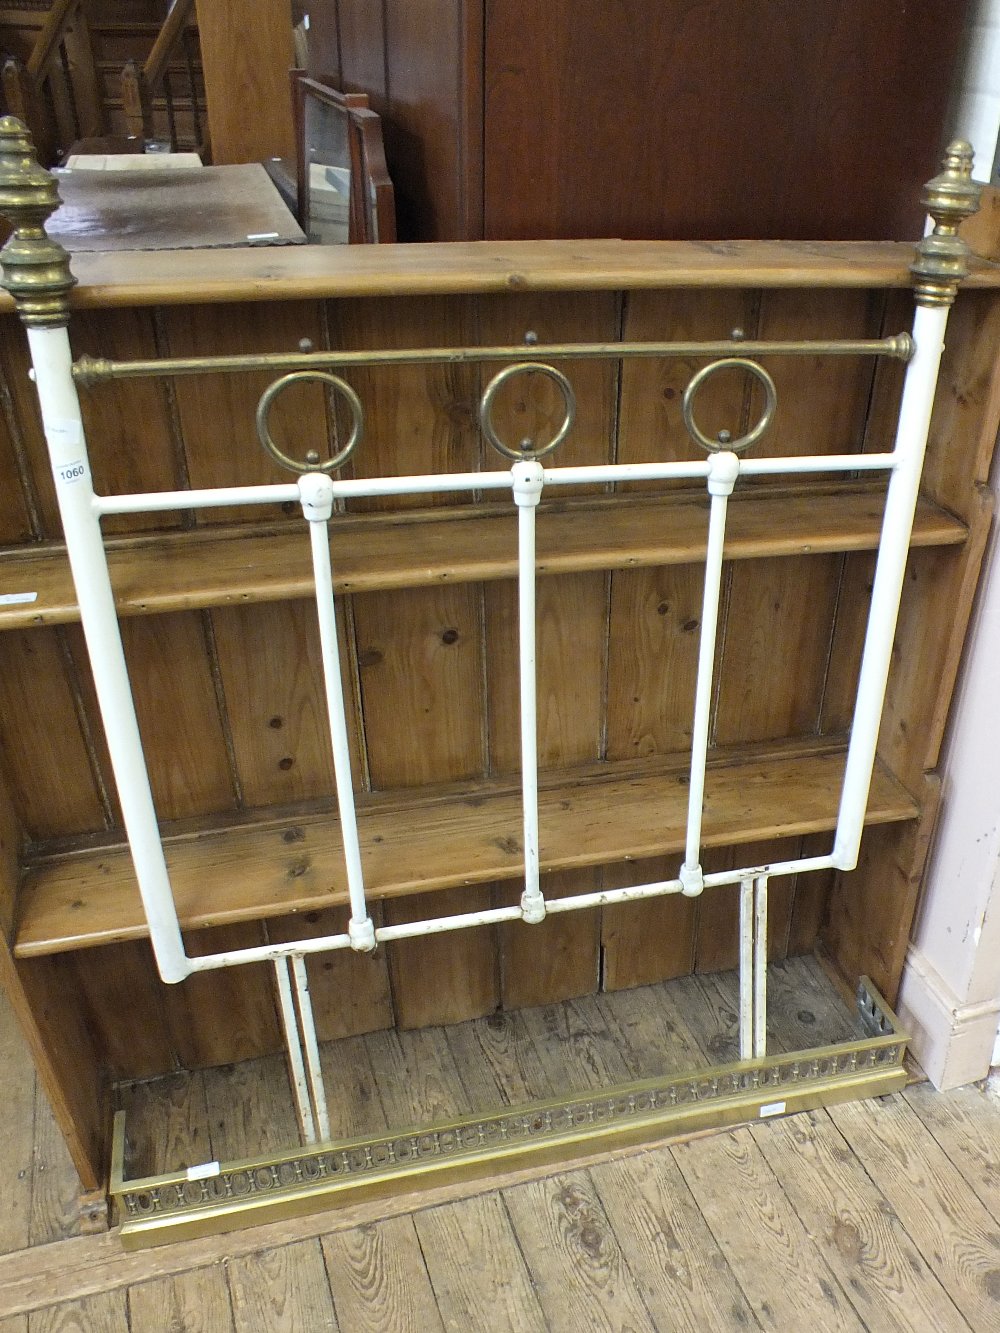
x=282, y=1288
x=574, y=1257
x=494, y=1290
x=950, y=1226
x=880, y=1269
x=682, y=1275
x=17, y=1135
x=966, y=1126
x=379, y=1280
x=882, y=1215
x=105, y=1312
x=196, y=1302
x=778, y=1265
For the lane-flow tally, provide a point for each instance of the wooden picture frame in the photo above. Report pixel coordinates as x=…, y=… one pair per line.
x=339, y=150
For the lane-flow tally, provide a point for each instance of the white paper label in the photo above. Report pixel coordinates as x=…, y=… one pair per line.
x=65, y=436
x=71, y=472
x=203, y=1172
x=17, y=598
x=771, y=1108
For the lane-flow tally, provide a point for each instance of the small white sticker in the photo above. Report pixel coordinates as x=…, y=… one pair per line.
x=68, y=473
x=65, y=436
x=17, y=598
x=203, y=1172
x=771, y=1108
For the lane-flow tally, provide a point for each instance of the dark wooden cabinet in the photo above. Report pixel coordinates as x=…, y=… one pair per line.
x=690, y=119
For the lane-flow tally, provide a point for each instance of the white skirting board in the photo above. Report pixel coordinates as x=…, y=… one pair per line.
x=953, y=1041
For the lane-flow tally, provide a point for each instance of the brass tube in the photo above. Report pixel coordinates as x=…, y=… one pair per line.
x=89, y=370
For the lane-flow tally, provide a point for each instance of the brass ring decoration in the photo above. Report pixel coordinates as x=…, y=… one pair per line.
x=742, y=442
x=497, y=382
x=312, y=463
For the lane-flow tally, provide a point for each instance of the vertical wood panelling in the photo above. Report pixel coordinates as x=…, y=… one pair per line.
x=420, y=659
x=360, y=29
x=936, y=603
x=177, y=710
x=653, y=660
x=443, y=978
x=417, y=419
x=822, y=401
x=323, y=46
x=651, y=427
x=229, y=1014
x=646, y=942
x=779, y=619
x=887, y=386
x=272, y=674
x=45, y=755
x=178, y=715
x=796, y=140
x=15, y=517
x=126, y=1009
x=558, y=959
x=27, y=420
x=217, y=411
x=425, y=73
x=849, y=628
x=774, y=661
x=812, y=894
x=867, y=932
x=966, y=406
x=126, y=422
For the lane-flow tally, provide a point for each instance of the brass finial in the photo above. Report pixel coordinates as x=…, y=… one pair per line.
x=35, y=268
x=943, y=257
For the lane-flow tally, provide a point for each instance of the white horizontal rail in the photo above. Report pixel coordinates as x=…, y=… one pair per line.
x=773, y=467
x=492, y=916
x=221, y=497
x=457, y=482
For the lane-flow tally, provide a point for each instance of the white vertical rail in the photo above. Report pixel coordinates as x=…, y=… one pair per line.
x=897, y=523
x=294, y=1049
x=724, y=468
x=316, y=493
x=527, y=481
x=307, y=1027
x=760, y=967
x=53, y=363
x=746, y=969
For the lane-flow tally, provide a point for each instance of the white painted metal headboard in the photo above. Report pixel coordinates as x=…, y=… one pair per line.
x=37, y=273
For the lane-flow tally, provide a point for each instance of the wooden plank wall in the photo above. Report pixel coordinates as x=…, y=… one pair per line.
x=228, y=698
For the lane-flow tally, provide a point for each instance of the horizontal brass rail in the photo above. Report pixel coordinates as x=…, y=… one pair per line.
x=89, y=370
